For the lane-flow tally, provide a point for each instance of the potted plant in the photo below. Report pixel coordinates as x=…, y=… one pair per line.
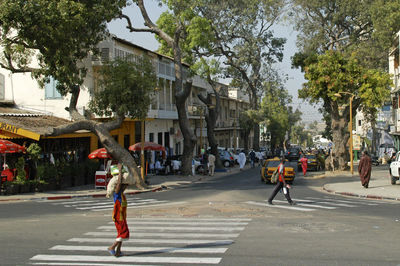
x=10, y=188
x=34, y=151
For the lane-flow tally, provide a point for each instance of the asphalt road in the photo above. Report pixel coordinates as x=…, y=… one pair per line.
x=222, y=221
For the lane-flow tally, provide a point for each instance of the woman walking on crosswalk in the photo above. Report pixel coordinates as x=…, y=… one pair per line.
x=119, y=214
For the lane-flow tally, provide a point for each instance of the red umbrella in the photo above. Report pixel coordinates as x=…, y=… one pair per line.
x=10, y=147
x=148, y=146
x=99, y=154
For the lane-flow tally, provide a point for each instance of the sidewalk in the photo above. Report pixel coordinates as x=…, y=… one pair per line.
x=379, y=185
x=157, y=183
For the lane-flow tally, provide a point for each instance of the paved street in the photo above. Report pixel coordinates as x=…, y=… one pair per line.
x=222, y=220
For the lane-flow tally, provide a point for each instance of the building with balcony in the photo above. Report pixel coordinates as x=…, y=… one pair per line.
x=394, y=70
x=161, y=125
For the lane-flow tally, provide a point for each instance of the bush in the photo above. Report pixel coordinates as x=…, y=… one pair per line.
x=48, y=173
x=20, y=166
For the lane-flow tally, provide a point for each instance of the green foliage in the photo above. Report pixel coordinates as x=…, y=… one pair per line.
x=245, y=121
x=333, y=73
x=20, y=166
x=47, y=172
x=34, y=151
x=125, y=88
x=63, y=32
x=275, y=112
x=364, y=27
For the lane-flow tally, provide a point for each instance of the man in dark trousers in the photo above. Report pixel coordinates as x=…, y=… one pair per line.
x=364, y=169
x=281, y=184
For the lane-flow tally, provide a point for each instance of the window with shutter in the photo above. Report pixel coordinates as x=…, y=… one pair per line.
x=51, y=89
x=105, y=54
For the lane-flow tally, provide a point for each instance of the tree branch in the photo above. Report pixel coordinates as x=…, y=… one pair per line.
x=11, y=67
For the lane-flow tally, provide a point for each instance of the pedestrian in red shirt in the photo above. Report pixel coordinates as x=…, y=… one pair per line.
x=281, y=184
x=304, y=162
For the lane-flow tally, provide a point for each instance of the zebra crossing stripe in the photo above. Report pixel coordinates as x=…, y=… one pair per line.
x=72, y=201
x=299, y=203
x=338, y=204
x=166, y=235
x=351, y=202
x=144, y=249
x=128, y=259
x=189, y=219
x=142, y=205
x=155, y=241
x=111, y=205
x=156, y=205
x=183, y=223
x=329, y=202
x=177, y=228
x=280, y=206
x=78, y=204
x=82, y=264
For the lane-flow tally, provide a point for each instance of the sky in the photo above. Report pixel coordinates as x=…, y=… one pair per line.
x=148, y=41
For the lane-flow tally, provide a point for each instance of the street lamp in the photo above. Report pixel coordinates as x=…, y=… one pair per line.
x=350, y=125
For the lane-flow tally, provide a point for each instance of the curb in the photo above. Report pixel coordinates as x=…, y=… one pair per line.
x=349, y=194
x=85, y=195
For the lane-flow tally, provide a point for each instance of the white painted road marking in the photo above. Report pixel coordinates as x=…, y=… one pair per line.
x=280, y=206
x=165, y=235
x=130, y=259
x=143, y=249
x=177, y=228
x=177, y=240
x=299, y=203
x=154, y=241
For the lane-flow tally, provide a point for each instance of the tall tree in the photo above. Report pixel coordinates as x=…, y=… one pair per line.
x=360, y=33
x=274, y=110
x=240, y=32
x=170, y=29
x=50, y=39
x=208, y=70
x=337, y=81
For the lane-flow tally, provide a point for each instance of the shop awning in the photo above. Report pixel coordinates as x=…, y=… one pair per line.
x=16, y=123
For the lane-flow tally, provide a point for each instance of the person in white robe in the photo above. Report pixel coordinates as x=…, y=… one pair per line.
x=242, y=160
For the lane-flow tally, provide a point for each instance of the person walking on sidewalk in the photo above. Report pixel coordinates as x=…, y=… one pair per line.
x=119, y=215
x=281, y=184
x=364, y=169
x=211, y=164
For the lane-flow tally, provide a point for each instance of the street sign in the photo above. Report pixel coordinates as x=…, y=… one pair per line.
x=356, y=142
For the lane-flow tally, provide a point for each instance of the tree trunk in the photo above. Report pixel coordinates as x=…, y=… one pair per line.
x=211, y=120
x=256, y=141
x=340, y=136
x=246, y=139
x=189, y=139
x=102, y=131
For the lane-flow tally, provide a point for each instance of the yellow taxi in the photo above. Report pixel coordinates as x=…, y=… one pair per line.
x=270, y=165
x=312, y=163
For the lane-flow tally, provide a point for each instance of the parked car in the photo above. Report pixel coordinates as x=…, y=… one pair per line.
x=234, y=155
x=312, y=163
x=198, y=166
x=226, y=158
x=270, y=166
x=293, y=154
